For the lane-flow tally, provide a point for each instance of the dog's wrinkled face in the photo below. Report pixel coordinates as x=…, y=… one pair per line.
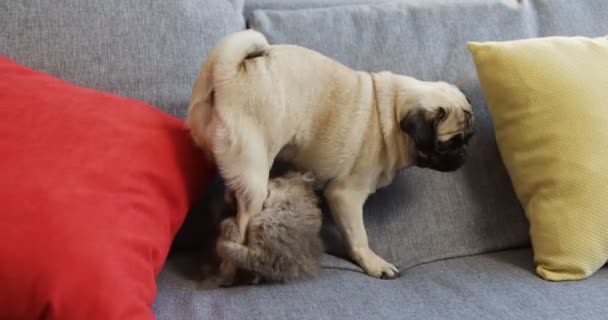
x=441, y=132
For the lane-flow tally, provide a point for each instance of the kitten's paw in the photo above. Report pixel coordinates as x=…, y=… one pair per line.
x=229, y=230
x=227, y=274
x=222, y=248
x=257, y=279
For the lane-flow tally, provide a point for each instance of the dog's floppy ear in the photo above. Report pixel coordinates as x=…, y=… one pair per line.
x=421, y=128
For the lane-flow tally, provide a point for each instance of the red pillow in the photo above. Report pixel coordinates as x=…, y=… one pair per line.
x=93, y=188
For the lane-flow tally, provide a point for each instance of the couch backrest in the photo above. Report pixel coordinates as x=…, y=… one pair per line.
x=145, y=49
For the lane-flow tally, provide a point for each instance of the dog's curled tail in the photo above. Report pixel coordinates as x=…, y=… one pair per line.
x=233, y=49
x=222, y=64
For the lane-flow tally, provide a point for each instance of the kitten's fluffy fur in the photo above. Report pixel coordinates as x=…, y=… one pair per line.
x=283, y=241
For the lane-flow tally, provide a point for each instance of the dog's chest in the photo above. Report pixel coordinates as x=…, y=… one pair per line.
x=385, y=179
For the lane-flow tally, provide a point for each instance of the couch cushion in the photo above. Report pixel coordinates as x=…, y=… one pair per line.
x=149, y=50
x=425, y=215
x=492, y=286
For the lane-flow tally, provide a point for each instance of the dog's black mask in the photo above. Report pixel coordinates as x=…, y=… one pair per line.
x=431, y=153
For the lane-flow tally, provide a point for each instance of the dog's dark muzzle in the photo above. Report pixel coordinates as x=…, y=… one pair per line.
x=441, y=162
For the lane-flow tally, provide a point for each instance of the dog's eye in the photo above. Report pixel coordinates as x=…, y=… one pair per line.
x=455, y=139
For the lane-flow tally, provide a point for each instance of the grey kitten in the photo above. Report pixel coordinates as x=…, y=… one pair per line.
x=283, y=241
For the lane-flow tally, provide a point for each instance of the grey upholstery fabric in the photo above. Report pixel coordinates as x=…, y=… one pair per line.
x=248, y=6
x=426, y=215
x=149, y=50
x=492, y=286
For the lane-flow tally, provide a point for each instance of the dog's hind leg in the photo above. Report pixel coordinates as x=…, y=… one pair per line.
x=244, y=161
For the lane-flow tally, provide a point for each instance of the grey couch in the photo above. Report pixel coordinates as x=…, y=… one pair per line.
x=460, y=239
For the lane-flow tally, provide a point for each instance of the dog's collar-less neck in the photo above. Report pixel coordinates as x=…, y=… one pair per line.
x=393, y=144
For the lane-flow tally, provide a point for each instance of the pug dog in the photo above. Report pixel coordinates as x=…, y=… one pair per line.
x=254, y=103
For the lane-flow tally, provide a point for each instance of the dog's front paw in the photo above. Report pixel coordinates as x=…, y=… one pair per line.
x=375, y=266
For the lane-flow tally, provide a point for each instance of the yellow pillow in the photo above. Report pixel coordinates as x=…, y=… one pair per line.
x=548, y=98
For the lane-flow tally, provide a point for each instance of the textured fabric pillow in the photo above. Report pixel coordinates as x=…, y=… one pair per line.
x=93, y=188
x=549, y=102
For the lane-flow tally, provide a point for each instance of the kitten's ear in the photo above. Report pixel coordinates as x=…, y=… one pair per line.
x=309, y=177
